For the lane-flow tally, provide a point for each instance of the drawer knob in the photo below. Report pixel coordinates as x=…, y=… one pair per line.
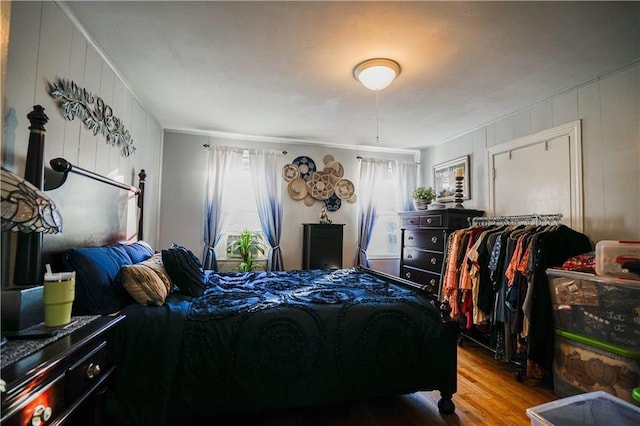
x=40, y=414
x=407, y=275
x=410, y=237
x=411, y=221
x=432, y=282
x=409, y=256
x=93, y=370
x=434, y=260
x=429, y=220
x=434, y=239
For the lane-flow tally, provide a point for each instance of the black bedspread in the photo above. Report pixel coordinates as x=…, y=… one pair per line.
x=274, y=339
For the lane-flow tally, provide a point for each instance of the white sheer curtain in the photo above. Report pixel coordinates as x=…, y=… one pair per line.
x=221, y=160
x=406, y=182
x=371, y=172
x=265, y=174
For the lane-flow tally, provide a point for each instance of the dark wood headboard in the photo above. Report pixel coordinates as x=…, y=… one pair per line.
x=95, y=209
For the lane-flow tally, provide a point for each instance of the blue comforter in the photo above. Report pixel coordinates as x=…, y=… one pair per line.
x=273, y=339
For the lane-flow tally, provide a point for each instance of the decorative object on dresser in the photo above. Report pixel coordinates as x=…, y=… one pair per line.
x=424, y=243
x=60, y=380
x=422, y=197
x=322, y=246
x=459, y=192
x=445, y=178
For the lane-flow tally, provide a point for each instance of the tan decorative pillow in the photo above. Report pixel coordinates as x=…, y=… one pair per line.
x=147, y=281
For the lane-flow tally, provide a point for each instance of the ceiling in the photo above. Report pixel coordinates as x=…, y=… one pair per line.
x=285, y=69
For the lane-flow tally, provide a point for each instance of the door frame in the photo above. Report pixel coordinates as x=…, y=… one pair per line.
x=572, y=130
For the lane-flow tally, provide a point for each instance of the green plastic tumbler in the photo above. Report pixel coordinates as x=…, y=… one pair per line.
x=59, y=292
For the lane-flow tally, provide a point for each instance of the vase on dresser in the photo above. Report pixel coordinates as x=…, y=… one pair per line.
x=421, y=204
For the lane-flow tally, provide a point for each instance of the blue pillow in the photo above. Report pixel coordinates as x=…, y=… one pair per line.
x=139, y=251
x=98, y=291
x=184, y=269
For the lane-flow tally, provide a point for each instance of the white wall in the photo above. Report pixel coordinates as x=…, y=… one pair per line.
x=183, y=181
x=609, y=110
x=44, y=46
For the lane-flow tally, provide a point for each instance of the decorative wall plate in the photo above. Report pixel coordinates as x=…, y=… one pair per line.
x=334, y=168
x=290, y=172
x=309, y=200
x=353, y=199
x=333, y=203
x=320, y=186
x=297, y=188
x=306, y=166
x=344, y=189
x=327, y=158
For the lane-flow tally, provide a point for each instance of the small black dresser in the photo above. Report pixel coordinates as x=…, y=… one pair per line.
x=424, y=243
x=322, y=246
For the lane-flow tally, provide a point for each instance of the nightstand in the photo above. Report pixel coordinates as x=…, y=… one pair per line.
x=62, y=382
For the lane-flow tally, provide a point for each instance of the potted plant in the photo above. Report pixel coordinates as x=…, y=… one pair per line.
x=422, y=196
x=247, y=245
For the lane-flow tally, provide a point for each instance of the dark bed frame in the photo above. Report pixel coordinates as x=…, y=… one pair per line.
x=97, y=211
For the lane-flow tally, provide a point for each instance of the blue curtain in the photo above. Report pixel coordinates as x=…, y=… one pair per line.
x=219, y=160
x=371, y=172
x=265, y=174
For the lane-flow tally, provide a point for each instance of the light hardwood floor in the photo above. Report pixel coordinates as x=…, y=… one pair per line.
x=488, y=394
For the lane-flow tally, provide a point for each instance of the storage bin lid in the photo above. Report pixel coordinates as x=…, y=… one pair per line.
x=598, y=344
x=593, y=408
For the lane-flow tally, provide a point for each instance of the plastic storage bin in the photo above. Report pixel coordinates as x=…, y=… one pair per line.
x=581, y=364
x=593, y=408
x=610, y=255
x=603, y=308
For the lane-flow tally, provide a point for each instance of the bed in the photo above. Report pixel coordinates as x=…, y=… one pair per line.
x=226, y=342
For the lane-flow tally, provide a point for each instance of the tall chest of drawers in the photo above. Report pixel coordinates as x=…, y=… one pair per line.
x=424, y=243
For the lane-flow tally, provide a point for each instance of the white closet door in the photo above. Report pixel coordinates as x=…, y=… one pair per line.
x=541, y=174
x=534, y=179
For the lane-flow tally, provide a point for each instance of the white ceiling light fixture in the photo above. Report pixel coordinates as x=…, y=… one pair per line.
x=376, y=74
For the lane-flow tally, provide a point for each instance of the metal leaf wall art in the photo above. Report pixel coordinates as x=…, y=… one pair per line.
x=97, y=116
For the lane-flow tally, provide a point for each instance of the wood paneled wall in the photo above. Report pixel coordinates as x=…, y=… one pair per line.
x=46, y=45
x=609, y=110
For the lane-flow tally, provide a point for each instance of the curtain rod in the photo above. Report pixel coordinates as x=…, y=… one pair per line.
x=63, y=166
x=207, y=146
x=359, y=157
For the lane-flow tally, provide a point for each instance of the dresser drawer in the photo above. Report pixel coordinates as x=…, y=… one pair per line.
x=425, y=238
x=416, y=221
x=429, y=280
x=86, y=372
x=428, y=260
x=43, y=407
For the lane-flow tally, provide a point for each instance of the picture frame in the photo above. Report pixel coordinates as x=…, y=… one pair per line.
x=444, y=179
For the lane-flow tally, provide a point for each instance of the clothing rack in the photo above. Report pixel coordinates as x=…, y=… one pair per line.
x=527, y=219
x=511, y=220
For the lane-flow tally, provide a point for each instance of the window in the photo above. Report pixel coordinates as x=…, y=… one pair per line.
x=386, y=233
x=239, y=207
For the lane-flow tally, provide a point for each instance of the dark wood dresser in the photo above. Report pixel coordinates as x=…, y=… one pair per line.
x=322, y=246
x=62, y=382
x=424, y=243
